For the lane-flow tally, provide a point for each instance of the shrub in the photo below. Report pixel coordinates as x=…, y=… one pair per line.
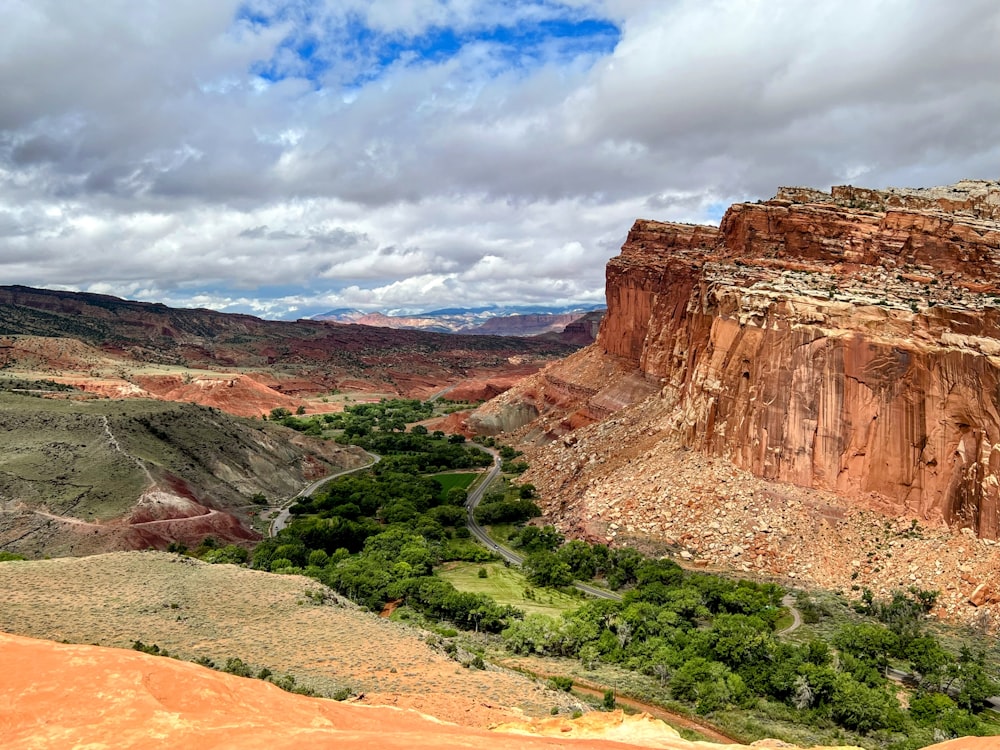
x=235, y=666
x=561, y=683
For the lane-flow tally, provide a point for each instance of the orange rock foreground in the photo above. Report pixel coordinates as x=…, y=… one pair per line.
x=55, y=696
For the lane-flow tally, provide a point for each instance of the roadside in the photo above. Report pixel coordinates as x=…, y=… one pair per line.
x=280, y=521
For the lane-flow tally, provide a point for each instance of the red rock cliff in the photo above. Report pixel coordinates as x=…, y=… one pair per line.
x=846, y=341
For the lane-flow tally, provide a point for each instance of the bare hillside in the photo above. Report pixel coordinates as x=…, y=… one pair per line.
x=84, y=477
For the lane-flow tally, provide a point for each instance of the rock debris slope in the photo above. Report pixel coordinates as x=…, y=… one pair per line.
x=846, y=343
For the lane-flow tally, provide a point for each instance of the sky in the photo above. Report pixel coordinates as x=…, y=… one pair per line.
x=284, y=158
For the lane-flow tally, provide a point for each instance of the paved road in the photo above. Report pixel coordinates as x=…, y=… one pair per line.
x=444, y=391
x=509, y=555
x=280, y=521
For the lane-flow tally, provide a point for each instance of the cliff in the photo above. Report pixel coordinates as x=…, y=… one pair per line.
x=841, y=348
x=844, y=342
x=525, y=325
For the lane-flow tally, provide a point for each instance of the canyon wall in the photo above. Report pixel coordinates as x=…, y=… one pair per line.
x=847, y=341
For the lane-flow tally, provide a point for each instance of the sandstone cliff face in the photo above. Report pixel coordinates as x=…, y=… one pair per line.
x=841, y=348
x=846, y=342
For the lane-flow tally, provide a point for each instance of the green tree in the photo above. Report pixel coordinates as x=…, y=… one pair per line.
x=546, y=569
x=871, y=643
x=318, y=558
x=230, y=554
x=579, y=557
x=928, y=659
x=864, y=709
x=537, y=539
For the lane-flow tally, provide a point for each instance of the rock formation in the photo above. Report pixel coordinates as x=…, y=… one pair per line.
x=59, y=695
x=847, y=342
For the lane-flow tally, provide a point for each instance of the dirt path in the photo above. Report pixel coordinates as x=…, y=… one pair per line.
x=97, y=525
x=789, y=601
x=116, y=446
x=674, y=719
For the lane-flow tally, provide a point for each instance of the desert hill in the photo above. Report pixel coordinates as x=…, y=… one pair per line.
x=286, y=623
x=117, y=346
x=78, y=477
x=810, y=391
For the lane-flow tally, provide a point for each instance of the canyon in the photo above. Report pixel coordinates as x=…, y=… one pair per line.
x=818, y=359
x=125, y=349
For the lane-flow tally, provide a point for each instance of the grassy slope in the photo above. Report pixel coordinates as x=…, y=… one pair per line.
x=220, y=611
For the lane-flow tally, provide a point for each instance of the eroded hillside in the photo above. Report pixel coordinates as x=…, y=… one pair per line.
x=240, y=363
x=84, y=477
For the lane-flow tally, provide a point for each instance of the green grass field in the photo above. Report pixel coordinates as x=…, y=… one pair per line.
x=507, y=586
x=449, y=481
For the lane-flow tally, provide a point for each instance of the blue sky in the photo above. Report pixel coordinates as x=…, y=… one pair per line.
x=285, y=158
x=519, y=43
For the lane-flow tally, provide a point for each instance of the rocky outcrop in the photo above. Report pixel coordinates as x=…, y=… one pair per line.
x=584, y=330
x=842, y=348
x=60, y=695
x=846, y=342
x=525, y=325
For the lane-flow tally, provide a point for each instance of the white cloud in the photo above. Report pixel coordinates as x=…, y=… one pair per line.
x=144, y=152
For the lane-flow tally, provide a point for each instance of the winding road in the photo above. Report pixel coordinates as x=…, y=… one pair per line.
x=280, y=521
x=788, y=601
x=476, y=495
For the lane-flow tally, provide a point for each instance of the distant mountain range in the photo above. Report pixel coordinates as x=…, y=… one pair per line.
x=496, y=320
x=311, y=356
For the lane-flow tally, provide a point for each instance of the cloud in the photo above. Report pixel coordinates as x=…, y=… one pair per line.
x=287, y=156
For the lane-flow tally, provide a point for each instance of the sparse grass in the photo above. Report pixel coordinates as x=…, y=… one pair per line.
x=507, y=586
x=836, y=612
x=88, y=462
x=501, y=532
x=784, y=621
